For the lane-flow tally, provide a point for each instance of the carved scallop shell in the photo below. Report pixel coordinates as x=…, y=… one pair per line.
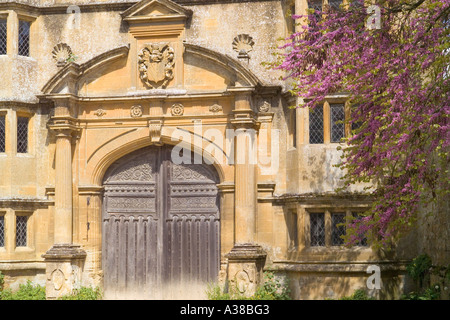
x=243, y=42
x=61, y=53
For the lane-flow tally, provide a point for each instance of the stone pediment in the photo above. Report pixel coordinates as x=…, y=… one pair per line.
x=155, y=10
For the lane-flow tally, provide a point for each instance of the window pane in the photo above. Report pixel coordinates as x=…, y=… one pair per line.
x=316, y=125
x=334, y=3
x=21, y=231
x=337, y=230
x=363, y=242
x=22, y=135
x=315, y=4
x=355, y=124
x=3, y=36
x=337, y=122
x=2, y=231
x=317, y=225
x=2, y=133
x=24, y=38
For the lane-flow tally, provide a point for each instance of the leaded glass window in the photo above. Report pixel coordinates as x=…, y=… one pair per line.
x=363, y=241
x=316, y=125
x=24, y=38
x=337, y=122
x=21, y=231
x=337, y=228
x=2, y=133
x=3, y=36
x=315, y=4
x=22, y=135
x=354, y=124
x=2, y=230
x=334, y=3
x=317, y=226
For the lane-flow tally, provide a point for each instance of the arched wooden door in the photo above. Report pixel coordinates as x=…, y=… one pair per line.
x=161, y=223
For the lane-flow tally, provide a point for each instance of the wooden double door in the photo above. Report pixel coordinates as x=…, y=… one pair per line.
x=161, y=223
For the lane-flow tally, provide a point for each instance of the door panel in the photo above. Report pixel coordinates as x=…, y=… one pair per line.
x=161, y=222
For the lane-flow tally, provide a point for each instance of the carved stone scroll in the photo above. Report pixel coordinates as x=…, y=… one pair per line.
x=155, y=132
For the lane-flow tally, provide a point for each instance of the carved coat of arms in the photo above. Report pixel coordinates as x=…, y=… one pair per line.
x=156, y=64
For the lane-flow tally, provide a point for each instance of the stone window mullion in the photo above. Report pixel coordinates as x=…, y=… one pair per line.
x=13, y=33
x=326, y=123
x=327, y=228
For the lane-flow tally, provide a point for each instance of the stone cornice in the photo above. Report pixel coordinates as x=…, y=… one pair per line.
x=335, y=266
x=17, y=104
x=206, y=2
x=62, y=9
x=104, y=6
x=25, y=203
x=323, y=199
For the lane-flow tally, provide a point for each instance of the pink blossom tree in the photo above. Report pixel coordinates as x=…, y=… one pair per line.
x=396, y=76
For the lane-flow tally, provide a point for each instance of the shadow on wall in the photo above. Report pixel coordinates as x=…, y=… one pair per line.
x=335, y=286
x=166, y=291
x=318, y=171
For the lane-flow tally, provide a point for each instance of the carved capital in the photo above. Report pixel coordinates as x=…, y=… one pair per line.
x=244, y=119
x=64, y=127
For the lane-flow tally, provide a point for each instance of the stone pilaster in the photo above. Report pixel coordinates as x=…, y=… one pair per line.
x=245, y=169
x=64, y=260
x=63, y=187
x=246, y=259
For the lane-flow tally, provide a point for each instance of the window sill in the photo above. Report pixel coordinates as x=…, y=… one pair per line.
x=25, y=155
x=24, y=249
x=26, y=58
x=333, y=249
